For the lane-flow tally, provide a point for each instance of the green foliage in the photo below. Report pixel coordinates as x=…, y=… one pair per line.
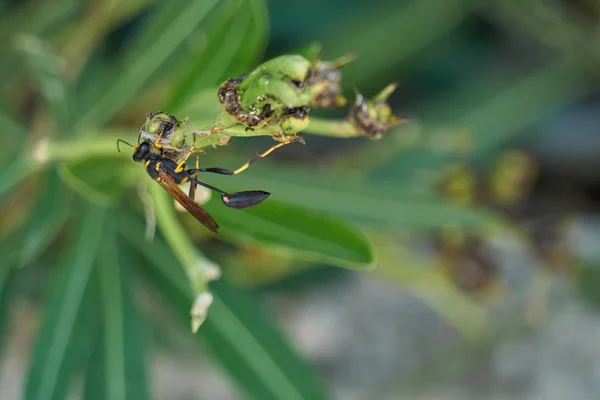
x=237, y=332
x=117, y=368
x=298, y=231
x=68, y=93
x=69, y=321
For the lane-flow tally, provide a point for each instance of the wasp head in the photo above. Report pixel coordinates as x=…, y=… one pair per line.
x=141, y=151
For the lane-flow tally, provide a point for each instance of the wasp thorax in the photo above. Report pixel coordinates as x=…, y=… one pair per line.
x=373, y=117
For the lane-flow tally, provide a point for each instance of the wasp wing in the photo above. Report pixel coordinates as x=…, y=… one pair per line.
x=186, y=202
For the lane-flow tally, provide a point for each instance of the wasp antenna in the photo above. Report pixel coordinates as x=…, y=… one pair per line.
x=122, y=141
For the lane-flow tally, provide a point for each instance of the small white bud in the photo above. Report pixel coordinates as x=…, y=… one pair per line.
x=199, y=309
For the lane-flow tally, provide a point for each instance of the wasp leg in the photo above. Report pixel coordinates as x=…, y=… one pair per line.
x=224, y=171
x=192, y=174
x=157, y=141
x=214, y=170
x=181, y=164
x=266, y=153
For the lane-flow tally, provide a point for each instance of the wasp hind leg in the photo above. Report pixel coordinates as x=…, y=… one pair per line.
x=224, y=171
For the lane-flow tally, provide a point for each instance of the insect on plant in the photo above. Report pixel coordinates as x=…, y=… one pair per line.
x=274, y=99
x=169, y=174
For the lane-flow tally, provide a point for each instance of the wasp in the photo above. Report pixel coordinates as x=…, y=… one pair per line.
x=170, y=174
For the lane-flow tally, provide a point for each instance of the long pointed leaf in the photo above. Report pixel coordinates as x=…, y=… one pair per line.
x=233, y=44
x=118, y=368
x=239, y=335
x=14, y=172
x=139, y=68
x=51, y=365
x=400, y=206
x=303, y=232
x=48, y=216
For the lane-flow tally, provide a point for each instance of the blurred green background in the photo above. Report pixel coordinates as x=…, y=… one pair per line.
x=479, y=216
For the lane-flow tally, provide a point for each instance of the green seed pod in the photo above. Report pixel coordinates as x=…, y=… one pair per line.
x=325, y=82
x=373, y=117
x=267, y=94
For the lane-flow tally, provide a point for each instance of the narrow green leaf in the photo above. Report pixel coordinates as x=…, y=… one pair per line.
x=493, y=109
x=52, y=209
x=40, y=17
x=117, y=370
x=6, y=277
x=527, y=102
x=233, y=42
x=414, y=24
x=9, y=248
x=297, y=230
x=13, y=134
x=196, y=64
x=13, y=172
x=401, y=206
x=67, y=318
x=238, y=333
x=158, y=45
x=46, y=68
x=95, y=179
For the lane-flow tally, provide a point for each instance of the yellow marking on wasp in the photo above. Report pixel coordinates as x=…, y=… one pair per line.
x=180, y=166
x=147, y=163
x=159, y=179
x=157, y=166
x=184, y=180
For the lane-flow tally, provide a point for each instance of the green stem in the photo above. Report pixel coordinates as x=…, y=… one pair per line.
x=195, y=264
x=93, y=145
x=104, y=145
x=337, y=128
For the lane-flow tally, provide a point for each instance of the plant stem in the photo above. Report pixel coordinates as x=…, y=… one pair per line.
x=337, y=128
x=195, y=264
x=198, y=268
x=104, y=144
